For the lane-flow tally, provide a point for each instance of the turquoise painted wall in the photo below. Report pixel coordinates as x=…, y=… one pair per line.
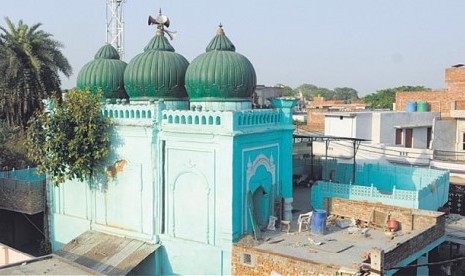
x=405, y=186
x=185, y=184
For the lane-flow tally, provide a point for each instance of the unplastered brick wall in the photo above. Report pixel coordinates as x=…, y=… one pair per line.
x=410, y=219
x=455, y=78
x=438, y=100
x=251, y=261
x=417, y=243
x=316, y=119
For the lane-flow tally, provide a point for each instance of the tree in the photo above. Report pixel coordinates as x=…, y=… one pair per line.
x=384, y=98
x=307, y=90
x=13, y=153
x=30, y=61
x=345, y=93
x=72, y=140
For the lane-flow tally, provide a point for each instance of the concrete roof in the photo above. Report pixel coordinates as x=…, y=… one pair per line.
x=338, y=247
x=47, y=265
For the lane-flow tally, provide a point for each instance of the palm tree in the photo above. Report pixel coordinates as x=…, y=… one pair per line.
x=30, y=62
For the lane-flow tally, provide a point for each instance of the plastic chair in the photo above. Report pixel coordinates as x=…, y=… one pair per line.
x=304, y=219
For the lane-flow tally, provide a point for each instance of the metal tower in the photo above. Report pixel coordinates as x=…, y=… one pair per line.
x=115, y=25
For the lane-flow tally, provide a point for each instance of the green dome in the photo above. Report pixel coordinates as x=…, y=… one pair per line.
x=156, y=73
x=105, y=72
x=220, y=74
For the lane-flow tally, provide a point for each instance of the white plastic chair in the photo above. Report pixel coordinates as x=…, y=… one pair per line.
x=304, y=219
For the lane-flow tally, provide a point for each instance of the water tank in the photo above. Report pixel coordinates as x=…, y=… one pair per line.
x=318, y=222
x=411, y=106
x=422, y=106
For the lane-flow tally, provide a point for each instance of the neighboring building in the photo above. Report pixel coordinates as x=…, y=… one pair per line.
x=318, y=107
x=401, y=137
x=193, y=167
x=440, y=100
x=263, y=94
x=448, y=138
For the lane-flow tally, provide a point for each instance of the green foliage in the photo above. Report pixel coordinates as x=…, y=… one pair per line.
x=384, y=98
x=13, y=151
x=30, y=60
x=72, y=140
x=309, y=91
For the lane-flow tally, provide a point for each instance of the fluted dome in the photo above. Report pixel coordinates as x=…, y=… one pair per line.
x=220, y=74
x=156, y=73
x=105, y=72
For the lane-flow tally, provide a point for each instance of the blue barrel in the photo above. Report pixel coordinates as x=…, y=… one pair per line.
x=411, y=106
x=319, y=222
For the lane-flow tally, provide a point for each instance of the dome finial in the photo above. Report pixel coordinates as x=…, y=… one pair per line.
x=161, y=21
x=220, y=30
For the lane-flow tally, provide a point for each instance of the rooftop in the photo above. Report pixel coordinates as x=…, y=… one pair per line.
x=50, y=264
x=353, y=230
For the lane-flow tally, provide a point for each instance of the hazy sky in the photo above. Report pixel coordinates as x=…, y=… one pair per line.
x=363, y=44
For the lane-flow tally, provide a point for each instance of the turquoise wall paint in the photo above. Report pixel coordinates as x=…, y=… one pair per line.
x=185, y=183
x=183, y=257
x=405, y=186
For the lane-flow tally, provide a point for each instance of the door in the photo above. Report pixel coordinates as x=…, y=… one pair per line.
x=408, y=137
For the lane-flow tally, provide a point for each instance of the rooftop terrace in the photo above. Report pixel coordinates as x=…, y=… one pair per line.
x=343, y=249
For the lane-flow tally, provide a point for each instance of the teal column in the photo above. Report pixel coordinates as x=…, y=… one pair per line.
x=422, y=270
x=285, y=107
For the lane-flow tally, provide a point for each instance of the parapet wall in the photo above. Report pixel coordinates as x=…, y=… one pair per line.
x=225, y=120
x=267, y=263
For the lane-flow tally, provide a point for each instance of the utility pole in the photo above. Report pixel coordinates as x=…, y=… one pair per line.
x=115, y=25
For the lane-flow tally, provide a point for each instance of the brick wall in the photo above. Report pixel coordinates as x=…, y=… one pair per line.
x=20, y=197
x=264, y=263
x=432, y=224
x=410, y=219
x=404, y=250
x=455, y=79
x=439, y=100
x=316, y=119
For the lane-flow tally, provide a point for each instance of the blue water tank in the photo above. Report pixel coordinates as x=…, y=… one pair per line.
x=411, y=106
x=318, y=222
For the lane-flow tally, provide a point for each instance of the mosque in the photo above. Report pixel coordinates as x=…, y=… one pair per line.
x=193, y=166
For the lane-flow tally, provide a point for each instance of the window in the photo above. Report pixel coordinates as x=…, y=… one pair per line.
x=399, y=136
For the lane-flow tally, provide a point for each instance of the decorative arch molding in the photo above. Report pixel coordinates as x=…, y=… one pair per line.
x=190, y=168
x=261, y=160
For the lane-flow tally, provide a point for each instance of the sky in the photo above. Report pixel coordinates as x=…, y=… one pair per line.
x=363, y=44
